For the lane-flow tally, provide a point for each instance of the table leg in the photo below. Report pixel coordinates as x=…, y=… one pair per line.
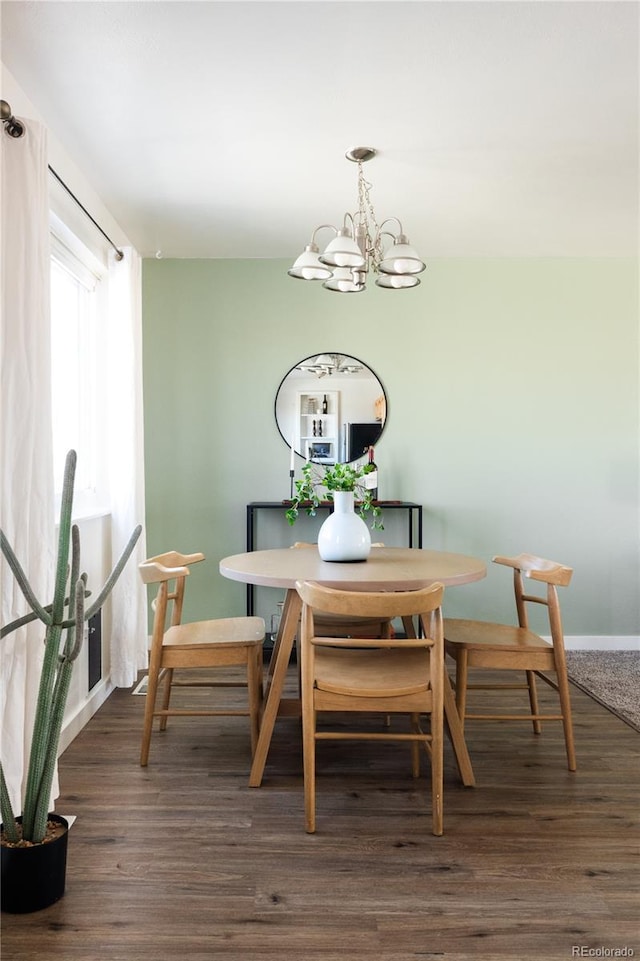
x=456, y=734
x=278, y=672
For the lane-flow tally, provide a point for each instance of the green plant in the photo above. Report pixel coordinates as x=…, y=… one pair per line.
x=62, y=643
x=334, y=477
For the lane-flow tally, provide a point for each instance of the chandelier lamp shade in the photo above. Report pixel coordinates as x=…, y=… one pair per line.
x=359, y=246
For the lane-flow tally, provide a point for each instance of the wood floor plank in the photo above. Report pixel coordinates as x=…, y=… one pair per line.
x=183, y=860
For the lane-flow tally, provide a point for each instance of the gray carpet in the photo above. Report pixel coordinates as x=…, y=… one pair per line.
x=610, y=677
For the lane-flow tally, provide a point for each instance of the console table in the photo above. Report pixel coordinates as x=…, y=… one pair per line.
x=414, y=525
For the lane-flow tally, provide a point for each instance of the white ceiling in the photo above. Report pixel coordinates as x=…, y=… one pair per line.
x=218, y=129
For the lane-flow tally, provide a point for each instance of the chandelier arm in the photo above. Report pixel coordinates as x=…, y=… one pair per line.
x=321, y=227
x=352, y=219
x=380, y=230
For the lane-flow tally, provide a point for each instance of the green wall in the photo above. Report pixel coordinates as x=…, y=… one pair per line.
x=513, y=416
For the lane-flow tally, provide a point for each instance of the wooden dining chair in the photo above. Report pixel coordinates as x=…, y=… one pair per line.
x=481, y=644
x=336, y=625
x=224, y=642
x=373, y=675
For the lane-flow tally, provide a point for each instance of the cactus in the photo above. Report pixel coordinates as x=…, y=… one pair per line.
x=63, y=641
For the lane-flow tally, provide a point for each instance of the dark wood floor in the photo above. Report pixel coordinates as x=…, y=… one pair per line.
x=183, y=861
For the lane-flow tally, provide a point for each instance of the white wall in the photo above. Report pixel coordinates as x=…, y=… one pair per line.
x=513, y=417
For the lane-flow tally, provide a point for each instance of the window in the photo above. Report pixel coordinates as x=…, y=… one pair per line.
x=77, y=374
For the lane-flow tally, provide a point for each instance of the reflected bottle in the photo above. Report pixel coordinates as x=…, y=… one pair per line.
x=371, y=479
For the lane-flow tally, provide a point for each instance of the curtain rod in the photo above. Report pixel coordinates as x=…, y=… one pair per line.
x=119, y=254
x=15, y=128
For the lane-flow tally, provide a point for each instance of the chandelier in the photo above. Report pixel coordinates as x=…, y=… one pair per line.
x=358, y=247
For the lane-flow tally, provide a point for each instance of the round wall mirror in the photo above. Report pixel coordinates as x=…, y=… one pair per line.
x=331, y=408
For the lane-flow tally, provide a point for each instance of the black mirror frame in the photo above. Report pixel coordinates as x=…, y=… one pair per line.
x=351, y=357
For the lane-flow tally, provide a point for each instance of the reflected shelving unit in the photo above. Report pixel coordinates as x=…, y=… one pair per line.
x=317, y=431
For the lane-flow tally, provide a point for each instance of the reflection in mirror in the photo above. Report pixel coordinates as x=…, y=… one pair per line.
x=331, y=408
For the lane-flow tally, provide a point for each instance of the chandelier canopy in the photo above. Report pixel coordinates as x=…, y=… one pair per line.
x=358, y=247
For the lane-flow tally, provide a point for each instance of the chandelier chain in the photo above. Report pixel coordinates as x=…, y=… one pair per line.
x=368, y=219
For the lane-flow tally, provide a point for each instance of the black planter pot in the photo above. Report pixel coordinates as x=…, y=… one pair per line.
x=34, y=877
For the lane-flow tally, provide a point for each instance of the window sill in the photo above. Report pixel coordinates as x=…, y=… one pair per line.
x=91, y=513
x=86, y=512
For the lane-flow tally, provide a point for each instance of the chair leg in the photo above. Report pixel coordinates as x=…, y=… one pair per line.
x=259, y=656
x=309, y=764
x=437, y=774
x=168, y=681
x=415, y=746
x=385, y=631
x=462, y=678
x=533, y=700
x=567, y=721
x=149, y=708
x=254, y=685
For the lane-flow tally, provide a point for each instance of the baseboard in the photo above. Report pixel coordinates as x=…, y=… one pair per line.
x=84, y=712
x=625, y=642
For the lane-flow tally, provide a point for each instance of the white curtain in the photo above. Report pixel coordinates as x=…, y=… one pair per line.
x=27, y=496
x=126, y=464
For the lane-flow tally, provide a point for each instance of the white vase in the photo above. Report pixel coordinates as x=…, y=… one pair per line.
x=344, y=536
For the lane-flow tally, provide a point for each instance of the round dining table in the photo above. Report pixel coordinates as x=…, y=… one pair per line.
x=386, y=569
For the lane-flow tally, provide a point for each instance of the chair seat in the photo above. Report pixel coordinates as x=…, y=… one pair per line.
x=484, y=634
x=225, y=631
x=374, y=673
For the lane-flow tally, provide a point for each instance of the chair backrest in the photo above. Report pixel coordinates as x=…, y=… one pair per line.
x=425, y=603
x=550, y=573
x=164, y=567
x=169, y=571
